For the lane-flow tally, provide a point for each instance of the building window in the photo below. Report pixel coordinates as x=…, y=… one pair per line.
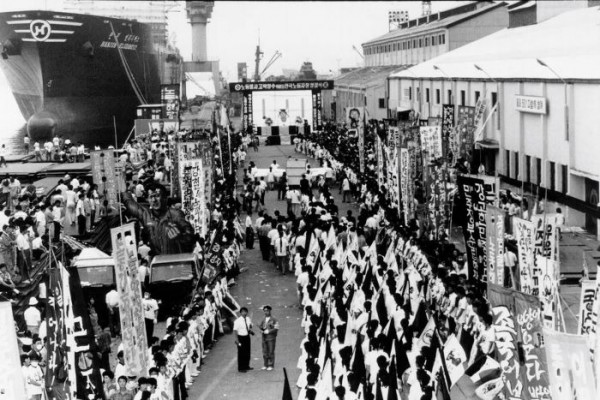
x=381, y=103
x=409, y=45
x=403, y=45
x=565, y=178
x=449, y=96
x=507, y=160
x=418, y=97
x=437, y=96
x=414, y=43
x=433, y=41
x=463, y=96
x=527, y=169
x=427, y=95
x=538, y=171
x=410, y=93
x=494, y=98
x=552, y=175
x=442, y=39
x=516, y=165
x=477, y=95
x=427, y=41
x=420, y=43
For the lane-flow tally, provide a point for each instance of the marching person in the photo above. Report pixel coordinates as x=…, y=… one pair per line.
x=269, y=328
x=243, y=328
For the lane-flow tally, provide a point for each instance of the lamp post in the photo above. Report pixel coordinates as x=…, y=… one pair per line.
x=543, y=64
x=451, y=99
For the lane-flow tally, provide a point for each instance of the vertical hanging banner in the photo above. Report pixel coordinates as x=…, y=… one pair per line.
x=472, y=194
x=586, y=304
x=184, y=151
x=447, y=126
x=404, y=182
x=104, y=174
x=247, y=120
x=544, y=246
x=437, y=199
x=317, y=109
x=56, y=382
x=534, y=371
x=193, y=199
x=569, y=366
x=524, y=234
x=466, y=124
x=208, y=168
x=12, y=381
x=494, y=220
x=507, y=350
x=431, y=143
x=133, y=326
x=89, y=380
x=355, y=119
x=380, y=161
x=547, y=290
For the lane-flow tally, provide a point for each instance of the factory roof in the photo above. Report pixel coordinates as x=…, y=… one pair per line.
x=569, y=44
x=442, y=20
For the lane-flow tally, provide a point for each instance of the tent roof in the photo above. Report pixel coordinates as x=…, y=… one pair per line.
x=568, y=43
x=92, y=257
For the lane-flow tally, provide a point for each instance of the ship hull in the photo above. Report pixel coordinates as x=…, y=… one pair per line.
x=78, y=75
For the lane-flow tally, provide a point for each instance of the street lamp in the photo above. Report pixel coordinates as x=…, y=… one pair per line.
x=451, y=99
x=543, y=64
x=478, y=68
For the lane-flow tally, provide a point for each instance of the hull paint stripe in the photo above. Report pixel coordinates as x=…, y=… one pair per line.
x=54, y=22
x=54, y=31
x=45, y=41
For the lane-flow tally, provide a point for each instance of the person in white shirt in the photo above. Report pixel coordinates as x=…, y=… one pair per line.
x=3, y=154
x=150, y=314
x=281, y=252
x=34, y=377
x=32, y=316
x=113, y=300
x=243, y=329
x=81, y=216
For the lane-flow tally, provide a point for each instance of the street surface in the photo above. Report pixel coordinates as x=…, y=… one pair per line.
x=258, y=285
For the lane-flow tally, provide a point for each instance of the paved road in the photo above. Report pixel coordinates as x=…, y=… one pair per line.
x=260, y=284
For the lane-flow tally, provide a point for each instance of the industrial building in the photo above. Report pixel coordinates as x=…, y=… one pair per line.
x=542, y=76
x=414, y=41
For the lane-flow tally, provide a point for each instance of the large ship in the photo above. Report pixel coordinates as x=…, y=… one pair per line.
x=82, y=76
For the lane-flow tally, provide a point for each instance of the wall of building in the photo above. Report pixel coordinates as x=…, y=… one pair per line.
x=396, y=51
x=523, y=137
x=354, y=97
x=477, y=27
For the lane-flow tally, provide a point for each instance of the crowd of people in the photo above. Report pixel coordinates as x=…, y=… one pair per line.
x=32, y=225
x=379, y=298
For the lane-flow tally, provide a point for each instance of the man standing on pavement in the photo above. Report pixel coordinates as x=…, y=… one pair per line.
x=243, y=328
x=150, y=314
x=269, y=328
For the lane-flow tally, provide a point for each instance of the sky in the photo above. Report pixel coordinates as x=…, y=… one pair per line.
x=320, y=32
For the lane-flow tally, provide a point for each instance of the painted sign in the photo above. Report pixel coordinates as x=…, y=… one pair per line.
x=530, y=104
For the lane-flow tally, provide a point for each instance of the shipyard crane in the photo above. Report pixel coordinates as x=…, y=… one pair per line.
x=358, y=52
x=274, y=58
